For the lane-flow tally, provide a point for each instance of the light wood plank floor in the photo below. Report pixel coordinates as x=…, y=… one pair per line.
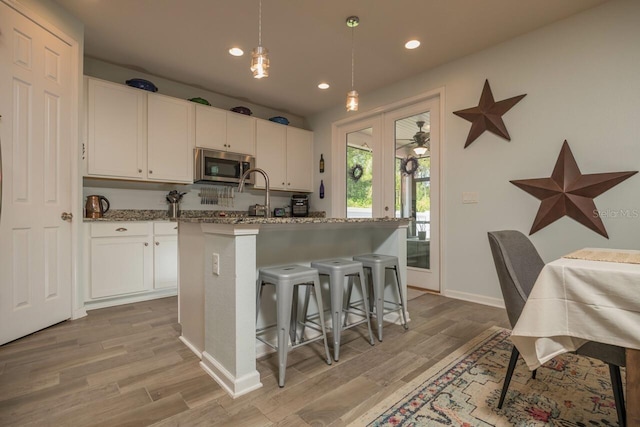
x=124, y=366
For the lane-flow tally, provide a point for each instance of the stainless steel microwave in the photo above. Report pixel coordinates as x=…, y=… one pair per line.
x=220, y=166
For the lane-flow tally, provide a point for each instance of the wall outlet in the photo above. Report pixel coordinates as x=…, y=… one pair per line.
x=216, y=264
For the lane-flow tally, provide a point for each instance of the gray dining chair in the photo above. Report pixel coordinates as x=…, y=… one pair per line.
x=518, y=265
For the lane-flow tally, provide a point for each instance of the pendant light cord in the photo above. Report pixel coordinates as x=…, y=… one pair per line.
x=352, y=59
x=260, y=24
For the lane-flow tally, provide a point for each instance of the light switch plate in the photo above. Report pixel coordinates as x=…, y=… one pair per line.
x=216, y=264
x=469, y=197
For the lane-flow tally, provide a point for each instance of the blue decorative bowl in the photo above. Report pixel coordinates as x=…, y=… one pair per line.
x=142, y=84
x=242, y=110
x=280, y=119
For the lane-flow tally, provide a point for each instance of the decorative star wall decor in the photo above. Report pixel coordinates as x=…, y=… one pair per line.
x=569, y=192
x=488, y=115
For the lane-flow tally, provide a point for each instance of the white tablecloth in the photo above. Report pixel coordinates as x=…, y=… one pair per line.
x=575, y=301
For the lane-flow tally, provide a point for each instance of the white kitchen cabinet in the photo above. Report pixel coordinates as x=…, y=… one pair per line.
x=271, y=149
x=222, y=130
x=121, y=259
x=165, y=255
x=299, y=160
x=170, y=139
x=116, y=130
x=135, y=134
x=131, y=261
x=286, y=154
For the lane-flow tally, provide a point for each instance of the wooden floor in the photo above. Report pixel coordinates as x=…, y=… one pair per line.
x=124, y=366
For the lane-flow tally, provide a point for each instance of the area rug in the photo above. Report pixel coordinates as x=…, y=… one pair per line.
x=464, y=389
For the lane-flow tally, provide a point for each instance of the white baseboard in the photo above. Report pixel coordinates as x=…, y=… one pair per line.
x=493, y=302
x=78, y=313
x=128, y=299
x=191, y=346
x=236, y=387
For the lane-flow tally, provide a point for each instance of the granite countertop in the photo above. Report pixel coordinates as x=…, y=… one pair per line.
x=189, y=215
x=289, y=220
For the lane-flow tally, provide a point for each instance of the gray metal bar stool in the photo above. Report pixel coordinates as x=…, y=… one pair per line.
x=377, y=266
x=286, y=280
x=338, y=269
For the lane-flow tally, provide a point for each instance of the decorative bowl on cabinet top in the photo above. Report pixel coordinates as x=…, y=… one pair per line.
x=242, y=110
x=200, y=101
x=280, y=119
x=142, y=84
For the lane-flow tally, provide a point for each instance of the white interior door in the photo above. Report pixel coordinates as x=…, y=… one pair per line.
x=35, y=138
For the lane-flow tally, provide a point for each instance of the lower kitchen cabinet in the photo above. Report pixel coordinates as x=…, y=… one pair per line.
x=165, y=255
x=130, y=261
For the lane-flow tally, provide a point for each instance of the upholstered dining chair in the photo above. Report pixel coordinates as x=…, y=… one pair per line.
x=518, y=265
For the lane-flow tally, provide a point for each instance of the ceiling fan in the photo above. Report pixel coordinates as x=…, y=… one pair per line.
x=421, y=139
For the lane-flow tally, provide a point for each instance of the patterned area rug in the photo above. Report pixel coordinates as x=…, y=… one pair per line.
x=464, y=389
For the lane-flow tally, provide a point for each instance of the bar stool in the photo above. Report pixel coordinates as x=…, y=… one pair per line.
x=377, y=266
x=338, y=269
x=286, y=280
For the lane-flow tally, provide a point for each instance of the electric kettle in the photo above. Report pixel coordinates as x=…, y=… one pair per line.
x=95, y=207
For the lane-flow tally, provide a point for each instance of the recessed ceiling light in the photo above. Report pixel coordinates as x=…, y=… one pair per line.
x=323, y=85
x=412, y=44
x=236, y=51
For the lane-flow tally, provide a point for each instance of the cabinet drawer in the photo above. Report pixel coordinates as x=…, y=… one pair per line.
x=165, y=228
x=115, y=229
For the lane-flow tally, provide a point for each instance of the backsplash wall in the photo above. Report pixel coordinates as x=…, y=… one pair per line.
x=152, y=196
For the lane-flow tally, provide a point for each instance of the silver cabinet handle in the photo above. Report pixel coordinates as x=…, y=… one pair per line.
x=146, y=244
x=157, y=243
x=175, y=228
x=150, y=171
x=139, y=170
x=66, y=216
x=121, y=229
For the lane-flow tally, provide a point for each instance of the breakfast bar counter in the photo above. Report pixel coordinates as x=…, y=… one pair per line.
x=218, y=262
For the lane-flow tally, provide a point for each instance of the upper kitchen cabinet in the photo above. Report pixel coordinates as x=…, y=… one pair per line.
x=286, y=154
x=134, y=134
x=116, y=130
x=222, y=130
x=170, y=139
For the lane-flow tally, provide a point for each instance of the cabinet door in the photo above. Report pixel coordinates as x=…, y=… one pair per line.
x=241, y=133
x=170, y=139
x=211, y=128
x=120, y=265
x=165, y=262
x=116, y=130
x=299, y=160
x=271, y=154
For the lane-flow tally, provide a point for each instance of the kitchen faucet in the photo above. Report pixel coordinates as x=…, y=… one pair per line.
x=267, y=210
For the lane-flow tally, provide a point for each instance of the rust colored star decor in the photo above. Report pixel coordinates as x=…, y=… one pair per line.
x=569, y=192
x=488, y=115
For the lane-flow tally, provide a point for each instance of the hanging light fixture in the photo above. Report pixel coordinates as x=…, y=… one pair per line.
x=259, y=55
x=352, y=95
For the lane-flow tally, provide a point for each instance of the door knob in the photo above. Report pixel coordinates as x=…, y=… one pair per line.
x=66, y=216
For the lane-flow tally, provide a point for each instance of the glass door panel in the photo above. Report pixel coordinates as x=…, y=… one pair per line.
x=359, y=174
x=413, y=192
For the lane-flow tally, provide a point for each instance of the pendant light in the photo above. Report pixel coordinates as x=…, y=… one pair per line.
x=352, y=95
x=259, y=55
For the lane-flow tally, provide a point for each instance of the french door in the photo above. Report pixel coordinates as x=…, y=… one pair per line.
x=36, y=134
x=392, y=169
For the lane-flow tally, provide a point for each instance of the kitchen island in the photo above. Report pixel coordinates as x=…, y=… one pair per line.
x=218, y=263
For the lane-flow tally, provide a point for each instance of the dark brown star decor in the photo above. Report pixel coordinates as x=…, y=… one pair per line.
x=488, y=115
x=569, y=192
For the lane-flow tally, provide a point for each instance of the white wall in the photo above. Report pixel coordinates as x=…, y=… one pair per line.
x=582, y=84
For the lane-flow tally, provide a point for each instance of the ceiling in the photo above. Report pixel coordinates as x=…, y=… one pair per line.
x=308, y=41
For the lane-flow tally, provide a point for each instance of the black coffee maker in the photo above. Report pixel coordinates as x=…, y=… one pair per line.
x=299, y=205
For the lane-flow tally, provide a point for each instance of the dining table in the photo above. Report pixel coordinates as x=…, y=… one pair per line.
x=592, y=294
